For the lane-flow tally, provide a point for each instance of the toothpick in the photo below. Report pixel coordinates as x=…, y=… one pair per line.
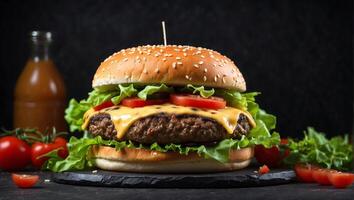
x=164, y=33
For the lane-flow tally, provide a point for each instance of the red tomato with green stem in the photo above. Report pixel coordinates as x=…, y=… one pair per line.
x=197, y=101
x=39, y=149
x=15, y=154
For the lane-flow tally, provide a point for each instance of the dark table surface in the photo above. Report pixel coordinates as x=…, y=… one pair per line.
x=51, y=191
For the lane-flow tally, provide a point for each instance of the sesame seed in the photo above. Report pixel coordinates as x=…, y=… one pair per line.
x=205, y=70
x=164, y=59
x=200, y=62
x=196, y=66
x=187, y=77
x=215, y=79
x=184, y=50
x=125, y=59
x=202, y=56
x=157, y=70
x=212, y=56
x=161, y=50
x=144, y=59
x=185, y=54
x=126, y=77
x=178, y=58
x=214, y=64
x=223, y=79
x=145, y=71
x=179, y=63
x=157, y=55
x=174, y=65
x=218, y=76
x=204, y=78
x=177, y=50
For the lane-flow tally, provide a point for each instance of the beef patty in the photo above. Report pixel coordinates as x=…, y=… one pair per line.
x=169, y=128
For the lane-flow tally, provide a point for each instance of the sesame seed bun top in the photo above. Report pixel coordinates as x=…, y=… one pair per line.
x=171, y=65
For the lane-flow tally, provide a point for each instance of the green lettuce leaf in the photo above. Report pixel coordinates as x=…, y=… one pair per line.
x=151, y=89
x=74, y=114
x=96, y=97
x=124, y=92
x=76, y=110
x=199, y=90
x=315, y=148
x=79, y=157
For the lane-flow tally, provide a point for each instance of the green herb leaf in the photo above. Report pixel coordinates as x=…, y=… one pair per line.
x=315, y=148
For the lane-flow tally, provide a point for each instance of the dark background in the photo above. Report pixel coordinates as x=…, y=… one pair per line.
x=297, y=53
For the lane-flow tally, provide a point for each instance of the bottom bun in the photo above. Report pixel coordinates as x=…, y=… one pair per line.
x=143, y=160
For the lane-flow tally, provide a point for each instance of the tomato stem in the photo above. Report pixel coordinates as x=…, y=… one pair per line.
x=30, y=135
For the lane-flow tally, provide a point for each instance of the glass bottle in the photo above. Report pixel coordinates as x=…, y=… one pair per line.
x=40, y=93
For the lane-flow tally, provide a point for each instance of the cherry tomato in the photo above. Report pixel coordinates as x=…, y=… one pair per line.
x=137, y=102
x=304, y=172
x=340, y=179
x=263, y=169
x=197, y=101
x=39, y=149
x=25, y=181
x=103, y=105
x=321, y=176
x=15, y=154
x=271, y=156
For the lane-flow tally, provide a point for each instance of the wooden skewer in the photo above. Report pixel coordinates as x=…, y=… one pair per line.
x=164, y=33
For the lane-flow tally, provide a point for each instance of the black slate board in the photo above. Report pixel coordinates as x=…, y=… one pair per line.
x=241, y=178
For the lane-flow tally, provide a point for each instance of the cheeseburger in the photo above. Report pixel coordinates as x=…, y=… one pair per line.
x=166, y=109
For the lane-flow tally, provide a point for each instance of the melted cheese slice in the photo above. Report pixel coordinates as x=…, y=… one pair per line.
x=123, y=117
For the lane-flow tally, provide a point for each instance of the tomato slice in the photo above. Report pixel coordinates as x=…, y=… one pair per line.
x=197, y=101
x=24, y=180
x=304, y=172
x=103, y=105
x=321, y=176
x=137, y=102
x=340, y=179
x=263, y=169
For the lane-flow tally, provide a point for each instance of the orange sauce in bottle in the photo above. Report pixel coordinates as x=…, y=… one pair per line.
x=40, y=93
